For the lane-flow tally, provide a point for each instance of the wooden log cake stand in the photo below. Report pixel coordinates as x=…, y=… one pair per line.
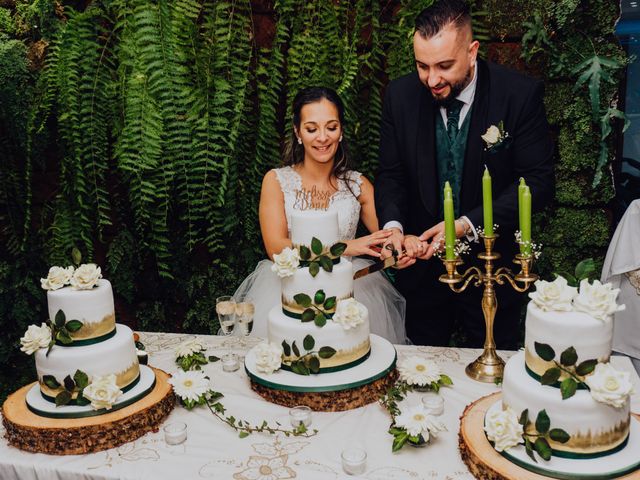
x=481, y=458
x=74, y=436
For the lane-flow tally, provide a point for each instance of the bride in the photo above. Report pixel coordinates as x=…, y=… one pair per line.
x=317, y=176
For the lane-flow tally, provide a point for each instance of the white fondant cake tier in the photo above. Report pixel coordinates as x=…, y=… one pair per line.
x=314, y=223
x=590, y=337
x=350, y=345
x=594, y=427
x=338, y=283
x=94, y=308
x=116, y=355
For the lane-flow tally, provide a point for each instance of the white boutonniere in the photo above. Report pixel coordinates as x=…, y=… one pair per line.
x=496, y=137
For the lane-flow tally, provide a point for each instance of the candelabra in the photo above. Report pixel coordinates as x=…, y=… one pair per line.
x=488, y=367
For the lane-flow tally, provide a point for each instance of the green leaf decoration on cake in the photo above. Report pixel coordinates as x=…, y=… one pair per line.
x=314, y=268
x=81, y=379
x=308, y=315
x=544, y=351
x=559, y=435
x=308, y=343
x=69, y=384
x=60, y=319
x=314, y=364
x=319, y=297
x=305, y=253
x=295, y=349
x=320, y=320
x=541, y=446
x=63, y=398
x=326, y=263
x=536, y=436
x=303, y=299
x=61, y=330
x=568, y=388
x=326, y=352
x=286, y=348
x=551, y=376
x=51, y=382
x=524, y=417
x=74, y=325
x=318, y=256
x=316, y=246
x=586, y=367
x=337, y=249
x=64, y=337
x=317, y=311
x=569, y=357
x=330, y=303
x=543, y=423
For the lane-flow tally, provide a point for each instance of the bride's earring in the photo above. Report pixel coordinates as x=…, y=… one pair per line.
x=299, y=141
x=340, y=139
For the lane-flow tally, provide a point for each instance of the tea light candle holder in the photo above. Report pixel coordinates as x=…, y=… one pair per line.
x=433, y=403
x=300, y=414
x=354, y=461
x=230, y=362
x=143, y=357
x=175, y=433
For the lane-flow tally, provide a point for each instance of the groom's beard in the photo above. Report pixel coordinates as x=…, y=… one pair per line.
x=456, y=89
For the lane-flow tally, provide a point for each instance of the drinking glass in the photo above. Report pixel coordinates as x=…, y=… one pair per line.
x=244, y=318
x=226, y=310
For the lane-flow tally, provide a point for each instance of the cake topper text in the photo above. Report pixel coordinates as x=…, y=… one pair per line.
x=312, y=199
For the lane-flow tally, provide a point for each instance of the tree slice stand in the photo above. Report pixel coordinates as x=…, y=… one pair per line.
x=33, y=433
x=480, y=456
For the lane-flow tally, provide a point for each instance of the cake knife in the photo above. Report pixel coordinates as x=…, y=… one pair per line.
x=381, y=265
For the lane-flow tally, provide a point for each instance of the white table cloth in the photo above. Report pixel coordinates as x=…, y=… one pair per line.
x=214, y=451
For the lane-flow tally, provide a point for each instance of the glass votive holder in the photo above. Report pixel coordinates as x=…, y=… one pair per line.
x=300, y=415
x=354, y=460
x=143, y=357
x=433, y=403
x=230, y=362
x=175, y=433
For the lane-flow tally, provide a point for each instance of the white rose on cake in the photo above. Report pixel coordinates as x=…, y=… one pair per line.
x=102, y=392
x=57, y=278
x=349, y=313
x=286, y=262
x=597, y=300
x=553, y=296
x=416, y=421
x=86, y=276
x=268, y=357
x=503, y=429
x=610, y=386
x=35, y=338
x=419, y=371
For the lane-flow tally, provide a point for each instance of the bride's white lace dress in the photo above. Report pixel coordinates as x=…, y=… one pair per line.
x=385, y=304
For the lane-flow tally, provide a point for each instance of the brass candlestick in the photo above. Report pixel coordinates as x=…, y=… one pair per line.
x=488, y=367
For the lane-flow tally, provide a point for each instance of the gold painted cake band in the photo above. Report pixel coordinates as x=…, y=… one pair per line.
x=539, y=366
x=88, y=341
x=74, y=400
x=337, y=368
x=123, y=380
x=341, y=357
x=535, y=376
x=298, y=316
x=95, y=329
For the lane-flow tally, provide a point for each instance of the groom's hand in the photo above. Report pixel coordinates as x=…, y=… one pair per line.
x=396, y=240
x=434, y=237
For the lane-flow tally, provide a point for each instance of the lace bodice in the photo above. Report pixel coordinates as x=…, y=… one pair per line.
x=343, y=201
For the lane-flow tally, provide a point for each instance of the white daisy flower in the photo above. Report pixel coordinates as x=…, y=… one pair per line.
x=188, y=347
x=190, y=385
x=416, y=421
x=416, y=370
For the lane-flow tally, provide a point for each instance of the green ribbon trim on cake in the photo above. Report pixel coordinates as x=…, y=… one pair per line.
x=306, y=263
x=535, y=376
x=337, y=368
x=332, y=388
x=88, y=341
x=93, y=413
x=584, y=456
x=298, y=316
x=51, y=399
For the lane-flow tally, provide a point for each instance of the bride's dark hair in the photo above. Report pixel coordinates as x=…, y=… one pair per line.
x=294, y=152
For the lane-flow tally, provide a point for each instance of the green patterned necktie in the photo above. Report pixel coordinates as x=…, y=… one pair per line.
x=453, y=117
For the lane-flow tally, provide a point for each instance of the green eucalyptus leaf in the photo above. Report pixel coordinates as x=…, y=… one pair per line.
x=330, y=303
x=524, y=417
x=316, y=246
x=81, y=379
x=308, y=343
x=73, y=325
x=326, y=263
x=326, y=352
x=399, y=441
x=568, y=388
x=51, y=382
x=314, y=364
x=296, y=350
x=559, y=435
x=551, y=376
x=69, y=384
x=286, y=348
x=320, y=320
x=569, y=357
x=319, y=297
x=302, y=299
x=337, y=249
x=543, y=422
x=63, y=398
x=542, y=447
x=586, y=367
x=445, y=380
x=63, y=336
x=308, y=315
x=314, y=268
x=544, y=351
x=60, y=319
x=305, y=253
x=243, y=434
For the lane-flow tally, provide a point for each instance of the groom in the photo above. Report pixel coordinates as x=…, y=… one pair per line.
x=433, y=122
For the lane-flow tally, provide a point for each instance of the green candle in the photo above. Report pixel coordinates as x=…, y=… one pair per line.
x=525, y=225
x=449, y=224
x=487, y=203
x=521, y=189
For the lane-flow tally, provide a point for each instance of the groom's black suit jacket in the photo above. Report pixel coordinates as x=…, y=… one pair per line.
x=406, y=187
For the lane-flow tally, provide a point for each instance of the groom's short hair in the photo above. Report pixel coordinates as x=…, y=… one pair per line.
x=440, y=14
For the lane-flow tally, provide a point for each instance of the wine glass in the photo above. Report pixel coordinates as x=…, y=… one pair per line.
x=244, y=317
x=226, y=310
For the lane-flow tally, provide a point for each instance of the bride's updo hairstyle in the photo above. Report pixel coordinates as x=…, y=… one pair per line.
x=294, y=152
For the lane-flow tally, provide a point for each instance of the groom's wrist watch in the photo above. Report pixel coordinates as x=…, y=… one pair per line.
x=466, y=228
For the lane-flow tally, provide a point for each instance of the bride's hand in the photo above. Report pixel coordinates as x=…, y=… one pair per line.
x=363, y=245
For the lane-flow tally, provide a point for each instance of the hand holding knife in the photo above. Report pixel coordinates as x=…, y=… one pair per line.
x=380, y=265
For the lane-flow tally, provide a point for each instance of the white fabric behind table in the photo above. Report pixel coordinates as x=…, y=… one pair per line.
x=214, y=451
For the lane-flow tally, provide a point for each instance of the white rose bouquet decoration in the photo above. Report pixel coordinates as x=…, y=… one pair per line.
x=350, y=313
x=610, y=386
x=420, y=372
x=57, y=278
x=35, y=338
x=286, y=262
x=556, y=296
x=102, y=392
x=503, y=429
x=86, y=276
x=597, y=300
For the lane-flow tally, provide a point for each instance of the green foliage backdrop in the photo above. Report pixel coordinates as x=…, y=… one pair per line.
x=138, y=131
